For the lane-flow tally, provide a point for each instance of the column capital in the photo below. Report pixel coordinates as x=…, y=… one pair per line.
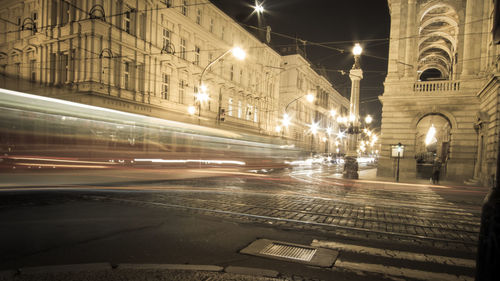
x=356, y=74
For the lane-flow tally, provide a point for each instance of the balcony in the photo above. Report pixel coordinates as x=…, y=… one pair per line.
x=437, y=86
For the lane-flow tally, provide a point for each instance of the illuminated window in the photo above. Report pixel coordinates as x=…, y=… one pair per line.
x=239, y=109
x=249, y=112
x=255, y=115
x=230, y=107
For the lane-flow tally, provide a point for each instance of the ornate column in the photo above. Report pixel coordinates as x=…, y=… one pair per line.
x=356, y=74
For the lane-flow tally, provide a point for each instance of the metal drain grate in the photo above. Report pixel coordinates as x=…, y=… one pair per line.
x=290, y=252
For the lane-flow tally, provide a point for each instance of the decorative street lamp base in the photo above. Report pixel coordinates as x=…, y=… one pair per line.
x=350, y=168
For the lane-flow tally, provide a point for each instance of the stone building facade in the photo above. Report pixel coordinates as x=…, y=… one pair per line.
x=143, y=56
x=298, y=78
x=441, y=90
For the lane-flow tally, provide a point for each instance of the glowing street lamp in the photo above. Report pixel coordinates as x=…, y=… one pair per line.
x=368, y=119
x=310, y=97
x=313, y=127
x=238, y=53
x=286, y=120
x=429, y=138
x=258, y=8
x=191, y=110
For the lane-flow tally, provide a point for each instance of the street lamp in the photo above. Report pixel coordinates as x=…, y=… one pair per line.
x=368, y=119
x=356, y=74
x=203, y=96
x=286, y=118
x=259, y=9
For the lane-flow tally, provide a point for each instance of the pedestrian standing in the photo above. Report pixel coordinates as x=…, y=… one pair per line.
x=436, y=170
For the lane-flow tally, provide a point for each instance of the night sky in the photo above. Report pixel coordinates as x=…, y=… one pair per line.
x=335, y=24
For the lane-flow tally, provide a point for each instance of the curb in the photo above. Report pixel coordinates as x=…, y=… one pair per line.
x=252, y=271
x=9, y=275
x=171, y=267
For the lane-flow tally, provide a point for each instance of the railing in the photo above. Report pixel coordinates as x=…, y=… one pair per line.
x=437, y=86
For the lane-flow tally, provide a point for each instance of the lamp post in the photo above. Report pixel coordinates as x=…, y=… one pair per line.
x=356, y=74
x=286, y=118
x=202, y=95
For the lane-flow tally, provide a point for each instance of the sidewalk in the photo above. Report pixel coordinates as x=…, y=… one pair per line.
x=371, y=175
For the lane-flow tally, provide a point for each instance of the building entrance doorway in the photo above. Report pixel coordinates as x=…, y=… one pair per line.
x=432, y=144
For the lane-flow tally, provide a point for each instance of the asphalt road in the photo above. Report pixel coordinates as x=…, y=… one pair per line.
x=382, y=230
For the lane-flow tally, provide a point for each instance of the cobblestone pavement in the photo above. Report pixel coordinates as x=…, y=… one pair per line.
x=383, y=230
x=311, y=199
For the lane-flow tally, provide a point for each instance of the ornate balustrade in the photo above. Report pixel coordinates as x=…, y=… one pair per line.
x=437, y=86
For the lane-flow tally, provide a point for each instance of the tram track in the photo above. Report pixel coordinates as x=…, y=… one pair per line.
x=327, y=226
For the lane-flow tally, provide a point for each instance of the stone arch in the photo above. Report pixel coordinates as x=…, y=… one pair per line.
x=432, y=56
x=437, y=46
x=449, y=20
x=446, y=114
x=444, y=72
x=432, y=144
x=437, y=4
x=441, y=34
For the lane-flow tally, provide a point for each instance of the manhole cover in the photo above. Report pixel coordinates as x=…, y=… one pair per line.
x=291, y=252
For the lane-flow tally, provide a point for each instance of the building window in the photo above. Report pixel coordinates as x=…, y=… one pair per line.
x=197, y=55
x=249, y=112
x=222, y=33
x=165, y=86
x=33, y=70
x=17, y=69
x=255, y=115
x=64, y=73
x=168, y=3
x=126, y=75
x=182, y=90
x=211, y=28
x=184, y=7
x=239, y=109
x=65, y=12
x=166, y=39
x=126, y=22
x=230, y=107
x=198, y=16
x=142, y=26
x=183, y=48
x=231, y=73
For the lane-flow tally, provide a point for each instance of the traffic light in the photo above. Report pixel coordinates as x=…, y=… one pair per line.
x=222, y=115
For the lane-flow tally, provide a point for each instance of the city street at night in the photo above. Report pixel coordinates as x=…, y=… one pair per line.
x=381, y=230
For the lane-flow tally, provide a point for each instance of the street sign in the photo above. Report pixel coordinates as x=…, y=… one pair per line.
x=397, y=151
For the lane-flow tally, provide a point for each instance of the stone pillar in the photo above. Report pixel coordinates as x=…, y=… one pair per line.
x=395, y=10
x=410, y=48
x=469, y=36
x=351, y=164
